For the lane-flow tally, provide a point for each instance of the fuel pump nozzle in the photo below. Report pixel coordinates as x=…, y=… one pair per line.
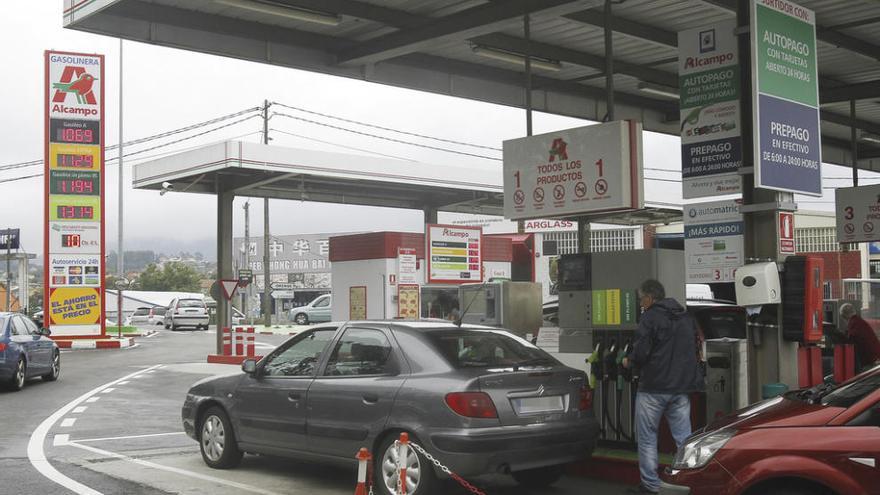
x=624, y=374
x=595, y=362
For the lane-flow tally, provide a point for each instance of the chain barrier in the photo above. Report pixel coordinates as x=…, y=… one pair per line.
x=461, y=481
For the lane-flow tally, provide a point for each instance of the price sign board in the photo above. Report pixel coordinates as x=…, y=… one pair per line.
x=74, y=193
x=589, y=169
x=858, y=213
x=785, y=98
x=407, y=266
x=454, y=254
x=713, y=241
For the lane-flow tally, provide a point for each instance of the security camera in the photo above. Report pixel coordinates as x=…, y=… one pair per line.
x=166, y=186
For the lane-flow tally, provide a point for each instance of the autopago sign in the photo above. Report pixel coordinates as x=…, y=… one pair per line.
x=713, y=241
x=576, y=171
x=785, y=99
x=711, y=143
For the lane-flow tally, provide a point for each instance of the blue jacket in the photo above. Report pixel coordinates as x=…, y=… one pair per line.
x=665, y=350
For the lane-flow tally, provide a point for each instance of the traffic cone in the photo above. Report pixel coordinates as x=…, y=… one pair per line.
x=363, y=456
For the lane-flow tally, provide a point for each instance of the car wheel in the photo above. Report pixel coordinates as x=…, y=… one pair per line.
x=167, y=326
x=56, y=368
x=301, y=319
x=539, y=477
x=217, y=441
x=16, y=383
x=420, y=477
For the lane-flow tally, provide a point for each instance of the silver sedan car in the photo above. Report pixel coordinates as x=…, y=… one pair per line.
x=481, y=400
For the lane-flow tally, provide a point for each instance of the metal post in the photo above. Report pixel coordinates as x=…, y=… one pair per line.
x=247, y=260
x=225, y=199
x=854, y=143
x=267, y=303
x=528, y=57
x=9, y=271
x=609, y=64
x=120, y=255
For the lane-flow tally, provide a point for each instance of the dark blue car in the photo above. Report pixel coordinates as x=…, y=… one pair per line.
x=26, y=352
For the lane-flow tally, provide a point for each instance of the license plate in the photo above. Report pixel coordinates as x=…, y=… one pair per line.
x=534, y=405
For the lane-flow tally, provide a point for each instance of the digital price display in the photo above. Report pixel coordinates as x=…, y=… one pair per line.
x=75, y=212
x=74, y=131
x=66, y=160
x=70, y=240
x=74, y=183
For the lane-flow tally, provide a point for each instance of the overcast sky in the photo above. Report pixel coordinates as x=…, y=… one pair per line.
x=166, y=88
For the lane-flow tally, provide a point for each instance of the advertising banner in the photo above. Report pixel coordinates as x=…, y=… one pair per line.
x=10, y=239
x=74, y=194
x=407, y=266
x=785, y=98
x=713, y=241
x=572, y=172
x=357, y=302
x=408, y=301
x=711, y=143
x=858, y=213
x=454, y=254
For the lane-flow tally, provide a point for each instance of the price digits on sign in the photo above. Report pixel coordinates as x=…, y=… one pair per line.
x=74, y=135
x=75, y=186
x=74, y=161
x=68, y=212
x=70, y=240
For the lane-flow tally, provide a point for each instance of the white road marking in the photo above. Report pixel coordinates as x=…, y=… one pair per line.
x=80, y=409
x=59, y=440
x=131, y=347
x=37, y=455
x=107, y=439
x=151, y=335
x=183, y=472
x=108, y=390
x=92, y=399
x=68, y=422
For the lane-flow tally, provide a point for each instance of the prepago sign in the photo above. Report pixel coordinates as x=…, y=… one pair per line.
x=572, y=172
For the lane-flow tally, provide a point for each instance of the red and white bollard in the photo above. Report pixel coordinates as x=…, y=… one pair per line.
x=363, y=456
x=402, y=454
x=251, y=342
x=227, y=341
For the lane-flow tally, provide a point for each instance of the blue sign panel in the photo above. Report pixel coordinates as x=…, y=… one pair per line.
x=790, y=146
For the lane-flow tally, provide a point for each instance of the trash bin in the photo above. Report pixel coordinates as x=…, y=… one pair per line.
x=727, y=381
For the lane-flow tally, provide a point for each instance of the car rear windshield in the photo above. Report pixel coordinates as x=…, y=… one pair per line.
x=849, y=394
x=191, y=303
x=141, y=312
x=471, y=348
x=159, y=311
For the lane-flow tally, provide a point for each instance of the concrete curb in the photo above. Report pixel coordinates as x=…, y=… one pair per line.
x=95, y=343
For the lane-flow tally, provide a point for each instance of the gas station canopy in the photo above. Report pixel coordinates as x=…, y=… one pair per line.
x=474, y=49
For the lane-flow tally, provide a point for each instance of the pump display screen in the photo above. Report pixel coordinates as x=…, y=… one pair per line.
x=574, y=272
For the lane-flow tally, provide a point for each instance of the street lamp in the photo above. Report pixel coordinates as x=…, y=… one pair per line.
x=121, y=283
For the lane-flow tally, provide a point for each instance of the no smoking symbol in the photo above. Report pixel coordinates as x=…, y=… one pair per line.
x=580, y=189
x=601, y=186
x=849, y=228
x=538, y=195
x=868, y=227
x=519, y=196
x=559, y=192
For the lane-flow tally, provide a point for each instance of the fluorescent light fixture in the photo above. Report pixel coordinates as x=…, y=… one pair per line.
x=659, y=90
x=516, y=58
x=871, y=138
x=324, y=18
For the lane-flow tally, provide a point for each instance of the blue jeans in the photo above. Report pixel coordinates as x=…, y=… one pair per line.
x=650, y=408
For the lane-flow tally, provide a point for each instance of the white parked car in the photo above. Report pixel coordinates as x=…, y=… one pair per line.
x=186, y=312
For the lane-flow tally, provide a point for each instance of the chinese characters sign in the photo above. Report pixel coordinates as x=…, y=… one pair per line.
x=74, y=171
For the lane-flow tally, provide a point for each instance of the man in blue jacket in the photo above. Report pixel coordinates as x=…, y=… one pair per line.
x=665, y=351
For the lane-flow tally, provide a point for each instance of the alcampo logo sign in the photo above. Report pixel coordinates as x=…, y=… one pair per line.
x=559, y=149
x=77, y=82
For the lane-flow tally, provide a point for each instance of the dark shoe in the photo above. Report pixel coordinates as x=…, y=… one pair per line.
x=641, y=489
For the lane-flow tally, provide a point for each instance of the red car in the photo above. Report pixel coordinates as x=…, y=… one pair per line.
x=818, y=441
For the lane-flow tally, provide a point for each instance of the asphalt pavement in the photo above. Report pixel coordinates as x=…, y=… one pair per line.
x=111, y=425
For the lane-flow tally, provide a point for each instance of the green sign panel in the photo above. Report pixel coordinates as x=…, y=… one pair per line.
x=786, y=56
x=600, y=308
x=629, y=307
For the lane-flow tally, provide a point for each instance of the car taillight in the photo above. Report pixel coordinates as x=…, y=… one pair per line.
x=472, y=404
x=586, y=395
x=2, y=346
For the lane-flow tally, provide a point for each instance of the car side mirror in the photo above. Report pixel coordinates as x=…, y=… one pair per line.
x=45, y=331
x=249, y=366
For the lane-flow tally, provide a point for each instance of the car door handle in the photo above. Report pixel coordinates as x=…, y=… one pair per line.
x=371, y=398
x=293, y=396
